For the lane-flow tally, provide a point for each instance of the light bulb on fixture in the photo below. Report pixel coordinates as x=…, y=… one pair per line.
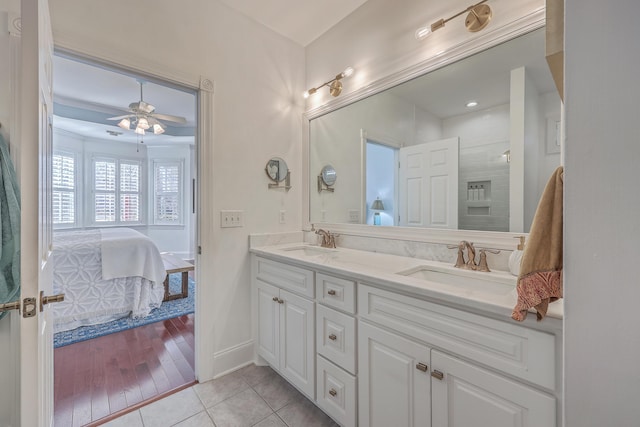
x=422, y=33
x=143, y=123
x=472, y=104
x=157, y=129
x=125, y=124
x=335, y=85
x=139, y=130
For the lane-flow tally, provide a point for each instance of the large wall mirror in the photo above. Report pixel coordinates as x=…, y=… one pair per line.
x=469, y=146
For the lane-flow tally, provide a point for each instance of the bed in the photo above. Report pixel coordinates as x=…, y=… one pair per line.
x=105, y=274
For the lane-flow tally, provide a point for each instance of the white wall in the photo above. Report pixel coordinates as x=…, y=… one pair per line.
x=258, y=77
x=602, y=201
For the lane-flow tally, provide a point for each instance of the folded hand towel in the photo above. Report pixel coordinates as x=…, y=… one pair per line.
x=9, y=229
x=540, y=279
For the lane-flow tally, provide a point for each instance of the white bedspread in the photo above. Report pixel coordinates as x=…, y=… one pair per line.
x=89, y=298
x=126, y=252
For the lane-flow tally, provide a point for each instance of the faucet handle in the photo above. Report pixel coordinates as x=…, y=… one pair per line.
x=483, y=266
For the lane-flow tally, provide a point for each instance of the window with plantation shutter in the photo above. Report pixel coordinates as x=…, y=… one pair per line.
x=117, y=191
x=64, y=189
x=167, y=183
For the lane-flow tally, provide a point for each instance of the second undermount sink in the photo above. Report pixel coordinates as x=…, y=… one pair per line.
x=309, y=250
x=464, y=279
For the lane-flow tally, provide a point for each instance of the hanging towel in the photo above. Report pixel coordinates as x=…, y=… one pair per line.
x=9, y=229
x=540, y=279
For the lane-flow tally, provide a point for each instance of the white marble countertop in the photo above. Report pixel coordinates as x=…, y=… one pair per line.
x=496, y=299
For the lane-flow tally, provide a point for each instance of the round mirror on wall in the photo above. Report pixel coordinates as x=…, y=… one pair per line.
x=277, y=169
x=328, y=175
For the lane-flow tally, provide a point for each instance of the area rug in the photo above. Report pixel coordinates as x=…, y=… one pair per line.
x=167, y=310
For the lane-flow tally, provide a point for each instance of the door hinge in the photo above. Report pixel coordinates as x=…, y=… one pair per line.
x=199, y=250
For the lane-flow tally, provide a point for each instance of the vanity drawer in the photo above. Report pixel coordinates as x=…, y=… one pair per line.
x=336, y=392
x=336, y=337
x=336, y=292
x=285, y=276
x=514, y=349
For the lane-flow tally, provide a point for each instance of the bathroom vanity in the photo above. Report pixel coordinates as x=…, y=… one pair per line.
x=377, y=340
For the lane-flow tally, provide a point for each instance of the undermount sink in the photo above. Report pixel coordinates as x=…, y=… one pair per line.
x=309, y=250
x=469, y=280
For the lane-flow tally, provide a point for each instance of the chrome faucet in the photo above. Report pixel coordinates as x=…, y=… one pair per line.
x=328, y=240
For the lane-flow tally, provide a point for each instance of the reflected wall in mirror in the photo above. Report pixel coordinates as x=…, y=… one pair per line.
x=433, y=148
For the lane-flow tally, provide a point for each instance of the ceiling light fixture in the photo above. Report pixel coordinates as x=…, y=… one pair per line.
x=477, y=19
x=335, y=85
x=472, y=104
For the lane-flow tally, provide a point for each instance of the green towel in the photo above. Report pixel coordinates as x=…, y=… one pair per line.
x=9, y=229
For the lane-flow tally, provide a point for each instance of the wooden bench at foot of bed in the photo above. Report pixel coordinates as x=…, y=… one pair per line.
x=173, y=264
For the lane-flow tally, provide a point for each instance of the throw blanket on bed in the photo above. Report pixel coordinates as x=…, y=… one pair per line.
x=89, y=298
x=126, y=252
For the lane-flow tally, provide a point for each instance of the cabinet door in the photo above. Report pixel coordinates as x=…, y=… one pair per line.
x=268, y=322
x=297, y=344
x=469, y=396
x=393, y=390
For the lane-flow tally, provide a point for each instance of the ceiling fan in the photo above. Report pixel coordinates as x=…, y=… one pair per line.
x=142, y=116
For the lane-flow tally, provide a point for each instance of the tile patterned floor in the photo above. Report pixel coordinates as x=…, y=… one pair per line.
x=252, y=396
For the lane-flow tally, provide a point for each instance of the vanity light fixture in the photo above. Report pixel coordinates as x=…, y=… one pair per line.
x=478, y=18
x=335, y=85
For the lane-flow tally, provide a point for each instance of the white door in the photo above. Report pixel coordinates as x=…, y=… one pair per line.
x=297, y=344
x=36, y=333
x=469, y=396
x=394, y=383
x=268, y=322
x=429, y=184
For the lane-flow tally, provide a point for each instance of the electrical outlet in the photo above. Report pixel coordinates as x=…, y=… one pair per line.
x=231, y=219
x=283, y=217
x=354, y=216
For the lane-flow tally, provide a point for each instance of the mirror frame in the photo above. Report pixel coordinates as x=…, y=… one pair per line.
x=490, y=239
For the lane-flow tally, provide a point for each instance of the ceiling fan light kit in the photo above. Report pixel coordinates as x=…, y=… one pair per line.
x=142, y=117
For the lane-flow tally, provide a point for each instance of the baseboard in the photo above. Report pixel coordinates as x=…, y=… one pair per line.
x=232, y=358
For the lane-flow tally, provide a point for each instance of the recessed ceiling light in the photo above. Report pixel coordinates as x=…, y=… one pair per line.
x=471, y=104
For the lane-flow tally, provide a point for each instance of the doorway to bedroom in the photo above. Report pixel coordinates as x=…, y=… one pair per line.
x=124, y=213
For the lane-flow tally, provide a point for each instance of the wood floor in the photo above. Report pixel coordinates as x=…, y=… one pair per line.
x=105, y=375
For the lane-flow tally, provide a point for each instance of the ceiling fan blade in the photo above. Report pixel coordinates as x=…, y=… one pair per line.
x=169, y=118
x=121, y=117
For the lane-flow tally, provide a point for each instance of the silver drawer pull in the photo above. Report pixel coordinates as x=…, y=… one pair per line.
x=331, y=292
x=333, y=337
x=280, y=301
x=437, y=374
x=333, y=393
x=422, y=367
x=275, y=299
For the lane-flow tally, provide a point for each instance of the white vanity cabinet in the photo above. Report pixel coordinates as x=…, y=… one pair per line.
x=376, y=355
x=286, y=322
x=406, y=380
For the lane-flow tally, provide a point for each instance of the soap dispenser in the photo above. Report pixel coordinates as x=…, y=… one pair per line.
x=516, y=257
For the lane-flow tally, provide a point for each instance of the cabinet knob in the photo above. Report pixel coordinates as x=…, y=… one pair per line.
x=422, y=367
x=437, y=374
x=332, y=392
x=275, y=299
x=331, y=292
x=280, y=301
x=333, y=337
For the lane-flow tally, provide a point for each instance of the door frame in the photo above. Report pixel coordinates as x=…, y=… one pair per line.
x=205, y=233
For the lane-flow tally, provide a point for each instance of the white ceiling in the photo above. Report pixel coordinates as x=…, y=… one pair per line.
x=302, y=21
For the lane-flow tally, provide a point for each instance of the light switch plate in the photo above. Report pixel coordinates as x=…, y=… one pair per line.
x=230, y=219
